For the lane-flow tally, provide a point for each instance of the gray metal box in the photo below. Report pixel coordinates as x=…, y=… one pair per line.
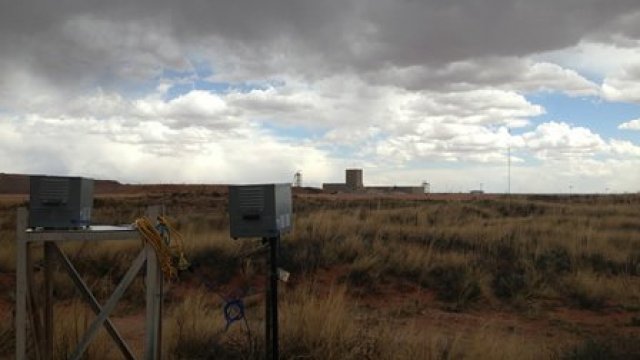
x=259, y=210
x=58, y=202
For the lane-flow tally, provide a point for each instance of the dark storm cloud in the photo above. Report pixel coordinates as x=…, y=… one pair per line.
x=413, y=32
x=97, y=43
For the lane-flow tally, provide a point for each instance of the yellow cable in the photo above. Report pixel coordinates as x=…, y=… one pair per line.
x=150, y=235
x=177, y=243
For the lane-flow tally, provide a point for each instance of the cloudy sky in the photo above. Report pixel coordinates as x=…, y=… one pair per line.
x=253, y=91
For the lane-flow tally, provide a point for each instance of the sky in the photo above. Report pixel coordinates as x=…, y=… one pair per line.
x=252, y=91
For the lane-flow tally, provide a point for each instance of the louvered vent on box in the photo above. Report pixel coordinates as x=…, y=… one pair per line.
x=57, y=202
x=259, y=210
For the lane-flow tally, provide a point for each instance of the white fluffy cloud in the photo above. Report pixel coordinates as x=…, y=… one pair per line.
x=555, y=140
x=630, y=125
x=623, y=85
x=152, y=152
x=399, y=87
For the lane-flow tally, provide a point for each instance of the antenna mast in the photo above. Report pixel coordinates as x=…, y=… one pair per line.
x=509, y=162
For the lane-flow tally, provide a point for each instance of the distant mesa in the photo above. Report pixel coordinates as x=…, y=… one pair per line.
x=18, y=184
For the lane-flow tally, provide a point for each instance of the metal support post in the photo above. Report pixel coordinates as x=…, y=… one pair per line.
x=34, y=307
x=49, y=254
x=153, y=319
x=21, y=284
x=271, y=323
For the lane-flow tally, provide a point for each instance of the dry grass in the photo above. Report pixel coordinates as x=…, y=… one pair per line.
x=70, y=324
x=193, y=329
x=7, y=337
x=314, y=326
x=477, y=256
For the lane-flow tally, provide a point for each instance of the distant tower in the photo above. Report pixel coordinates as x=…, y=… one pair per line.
x=427, y=187
x=297, y=179
x=354, y=179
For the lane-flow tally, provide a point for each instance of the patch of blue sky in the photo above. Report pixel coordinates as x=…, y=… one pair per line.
x=200, y=77
x=593, y=76
x=180, y=88
x=600, y=116
x=291, y=131
x=341, y=151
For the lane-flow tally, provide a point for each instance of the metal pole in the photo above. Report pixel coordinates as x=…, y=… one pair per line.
x=49, y=253
x=273, y=294
x=267, y=307
x=509, y=167
x=153, y=281
x=21, y=284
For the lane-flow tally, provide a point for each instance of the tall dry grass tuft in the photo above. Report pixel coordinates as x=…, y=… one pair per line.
x=329, y=326
x=195, y=329
x=320, y=327
x=7, y=338
x=70, y=324
x=8, y=254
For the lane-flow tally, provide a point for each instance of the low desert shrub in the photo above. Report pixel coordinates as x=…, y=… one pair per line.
x=553, y=262
x=365, y=273
x=510, y=278
x=456, y=284
x=582, y=293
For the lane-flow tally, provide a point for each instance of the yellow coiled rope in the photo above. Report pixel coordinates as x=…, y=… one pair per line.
x=167, y=243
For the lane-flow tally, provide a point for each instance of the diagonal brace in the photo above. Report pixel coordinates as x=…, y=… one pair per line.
x=95, y=306
x=109, y=306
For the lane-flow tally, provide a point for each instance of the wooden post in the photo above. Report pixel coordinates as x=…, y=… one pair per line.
x=21, y=284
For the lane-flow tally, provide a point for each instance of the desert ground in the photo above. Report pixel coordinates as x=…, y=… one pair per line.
x=393, y=277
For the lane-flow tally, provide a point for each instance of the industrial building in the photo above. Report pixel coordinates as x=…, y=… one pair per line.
x=354, y=184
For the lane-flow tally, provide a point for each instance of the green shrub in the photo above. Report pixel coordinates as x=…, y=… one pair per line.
x=365, y=273
x=582, y=296
x=454, y=283
x=600, y=264
x=509, y=275
x=554, y=261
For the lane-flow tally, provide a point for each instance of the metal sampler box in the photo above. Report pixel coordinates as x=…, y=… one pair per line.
x=259, y=210
x=58, y=202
